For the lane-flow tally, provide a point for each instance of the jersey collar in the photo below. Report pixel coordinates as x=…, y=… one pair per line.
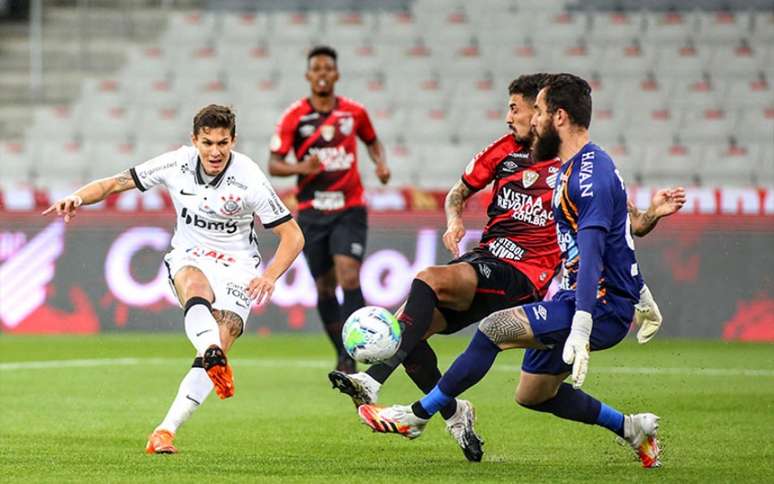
x=215, y=181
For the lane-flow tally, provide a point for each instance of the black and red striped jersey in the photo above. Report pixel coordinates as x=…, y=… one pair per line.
x=332, y=137
x=521, y=230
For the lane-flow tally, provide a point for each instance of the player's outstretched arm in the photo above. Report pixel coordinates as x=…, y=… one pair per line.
x=664, y=203
x=379, y=157
x=90, y=193
x=454, y=204
x=290, y=245
x=279, y=167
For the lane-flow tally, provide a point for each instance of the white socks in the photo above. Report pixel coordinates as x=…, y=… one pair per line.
x=194, y=388
x=200, y=326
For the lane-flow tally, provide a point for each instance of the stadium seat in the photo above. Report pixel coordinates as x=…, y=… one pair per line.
x=246, y=28
x=108, y=122
x=349, y=27
x=669, y=27
x=613, y=28
x=395, y=27
x=166, y=124
x=479, y=127
x=736, y=59
x=442, y=165
x=764, y=172
x=71, y=165
x=54, y=123
x=575, y=56
x=674, y=163
x=155, y=93
x=764, y=26
x=752, y=91
x=428, y=124
x=652, y=124
x=707, y=124
x=520, y=56
x=696, y=92
x=607, y=123
x=756, y=125
x=185, y=27
x=722, y=26
x=561, y=26
x=728, y=165
x=107, y=159
x=682, y=60
x=627, y=59
x=15, y=162
x=289, y=26
x=627, y=158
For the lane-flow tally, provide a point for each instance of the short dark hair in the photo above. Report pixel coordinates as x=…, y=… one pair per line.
x=571, y=93
x=322, y=50
x=527, y=85
x=215, y=116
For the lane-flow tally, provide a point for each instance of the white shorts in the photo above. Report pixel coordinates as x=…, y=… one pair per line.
x=227, y=276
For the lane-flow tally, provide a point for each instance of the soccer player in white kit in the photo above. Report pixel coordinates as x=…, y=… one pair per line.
x=213, y=264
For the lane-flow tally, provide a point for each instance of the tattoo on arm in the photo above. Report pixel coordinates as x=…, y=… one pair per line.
x=455, y=199
x=642, y=222
x=230, y=320
x=123, y=178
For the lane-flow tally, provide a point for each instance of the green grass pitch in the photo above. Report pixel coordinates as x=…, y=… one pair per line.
x=87, y=421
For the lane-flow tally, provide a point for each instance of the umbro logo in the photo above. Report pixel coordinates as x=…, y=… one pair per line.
x=183, y=192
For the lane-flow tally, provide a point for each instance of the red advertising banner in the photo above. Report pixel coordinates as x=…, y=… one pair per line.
x=712, y=275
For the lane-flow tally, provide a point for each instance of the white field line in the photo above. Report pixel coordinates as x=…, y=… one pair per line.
x=325, y=364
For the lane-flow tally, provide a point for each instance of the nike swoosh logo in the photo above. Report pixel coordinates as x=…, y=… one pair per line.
x=199, y=334
x=183, y=192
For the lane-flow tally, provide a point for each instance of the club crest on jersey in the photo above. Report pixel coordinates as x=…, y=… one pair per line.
x=306, y=130
x=345, y=125
x=529, y=178
x=327, y=132
x=231, y=205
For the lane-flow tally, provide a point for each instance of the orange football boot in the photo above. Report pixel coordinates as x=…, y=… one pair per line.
x=216, y=365
x=160, y=442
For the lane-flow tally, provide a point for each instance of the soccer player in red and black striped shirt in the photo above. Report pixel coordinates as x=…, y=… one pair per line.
x=322, y=131
x=513, y=264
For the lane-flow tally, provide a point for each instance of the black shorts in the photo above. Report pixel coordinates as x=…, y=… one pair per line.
x=500, y=286
x=329, y=234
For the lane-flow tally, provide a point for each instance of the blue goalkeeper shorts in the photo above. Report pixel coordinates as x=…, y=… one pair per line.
x=551, y=322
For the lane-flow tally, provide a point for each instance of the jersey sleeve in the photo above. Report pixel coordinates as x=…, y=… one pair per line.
x=480, y=171
x=267, y=204
x=365, y=129
x=154, y=171
x=282, y=140
x=595, y=196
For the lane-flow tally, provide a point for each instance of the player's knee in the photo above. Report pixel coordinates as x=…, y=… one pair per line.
x=193, y=287
x=528, y=398
x=348, y=276
x=433, y=278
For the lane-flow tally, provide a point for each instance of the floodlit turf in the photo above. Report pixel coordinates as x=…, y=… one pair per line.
x=81, y=423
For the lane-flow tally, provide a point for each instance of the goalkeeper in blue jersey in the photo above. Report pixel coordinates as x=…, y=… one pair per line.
x=600, y=287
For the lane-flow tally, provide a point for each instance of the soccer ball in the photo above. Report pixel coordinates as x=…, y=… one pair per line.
x=371, y=335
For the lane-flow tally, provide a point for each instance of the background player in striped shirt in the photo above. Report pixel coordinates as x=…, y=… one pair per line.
x=322, y=132
x=601, y=284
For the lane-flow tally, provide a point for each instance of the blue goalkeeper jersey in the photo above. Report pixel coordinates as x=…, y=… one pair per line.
x=591, y=193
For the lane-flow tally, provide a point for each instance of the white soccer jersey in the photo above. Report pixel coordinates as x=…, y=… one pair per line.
x=216, y=215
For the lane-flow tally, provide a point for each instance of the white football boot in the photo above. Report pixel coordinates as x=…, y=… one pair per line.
x=460, y=426
x=361, y=387
x=640, y=434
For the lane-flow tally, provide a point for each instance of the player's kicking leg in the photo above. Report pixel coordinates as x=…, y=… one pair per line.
x=193, y=390
x=449, y=286
x=543, y=388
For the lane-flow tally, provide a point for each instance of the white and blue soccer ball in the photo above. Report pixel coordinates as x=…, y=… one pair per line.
x=371, y=335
